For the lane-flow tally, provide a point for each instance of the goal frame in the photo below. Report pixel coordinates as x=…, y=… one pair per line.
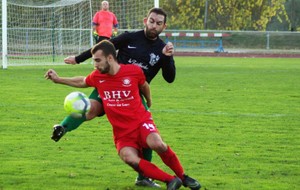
x=5, y=32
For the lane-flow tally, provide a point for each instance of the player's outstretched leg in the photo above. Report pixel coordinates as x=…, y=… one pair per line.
x=147, y=155
x=152, y=171
x=68, y=124
x=131, y=157
x=170, y=159
x=71, y=123
x=58, y=132
x=142, y=180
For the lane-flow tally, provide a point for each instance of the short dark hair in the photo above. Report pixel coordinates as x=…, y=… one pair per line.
x=158, y=11
x=107, y=48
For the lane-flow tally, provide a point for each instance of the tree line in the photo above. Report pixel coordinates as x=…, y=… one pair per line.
x=256, y=15
x=251, y=15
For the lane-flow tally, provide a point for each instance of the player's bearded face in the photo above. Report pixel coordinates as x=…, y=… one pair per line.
x=100, y=62
x=154, y=25
x=152, y=33
x=104, y=69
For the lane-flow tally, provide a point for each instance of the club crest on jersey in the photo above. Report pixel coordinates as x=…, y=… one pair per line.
x=126, y=82
x=153, y=59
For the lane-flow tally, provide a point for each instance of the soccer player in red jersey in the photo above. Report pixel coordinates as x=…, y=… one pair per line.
x=143, y=48
x=120, y=86
x=105, y=23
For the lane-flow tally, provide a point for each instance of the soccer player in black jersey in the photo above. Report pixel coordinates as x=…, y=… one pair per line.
x=143, y=48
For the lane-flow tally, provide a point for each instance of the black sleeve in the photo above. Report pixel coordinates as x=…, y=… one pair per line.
x=118, y=42
x=83, y=56
x=168, y=68
x=121, y=40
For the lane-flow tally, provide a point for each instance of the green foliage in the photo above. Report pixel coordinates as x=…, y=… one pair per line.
x=181, y=13
x=246, y=15
x=258, y=15
x=228, y=14
x=234, y=123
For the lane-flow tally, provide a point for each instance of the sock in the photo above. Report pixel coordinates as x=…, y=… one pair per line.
x=152, y=171
x=147, y=155
x=71, y=123
x=170, y=159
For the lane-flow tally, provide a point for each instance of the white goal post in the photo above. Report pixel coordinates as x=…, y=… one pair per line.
x=44, y=32
x=4, y=34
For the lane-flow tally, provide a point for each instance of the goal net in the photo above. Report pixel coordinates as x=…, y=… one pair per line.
x=43, y=32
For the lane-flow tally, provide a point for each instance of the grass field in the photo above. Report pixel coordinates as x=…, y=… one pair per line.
x=234, y=123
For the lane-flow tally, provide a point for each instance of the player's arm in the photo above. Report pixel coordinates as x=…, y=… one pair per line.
x=145, y=90
x=168, y=63
x=118, y=42
x=78, y=82
x=121, y=40
x=168, y=68
x=79, y=58
x=115, y=26
x=115, y=30
x=168, y=50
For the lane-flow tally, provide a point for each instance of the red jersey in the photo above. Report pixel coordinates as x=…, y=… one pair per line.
x=121, y=98
x=105, y=20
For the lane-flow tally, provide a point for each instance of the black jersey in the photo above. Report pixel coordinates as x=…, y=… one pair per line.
x=135, y=48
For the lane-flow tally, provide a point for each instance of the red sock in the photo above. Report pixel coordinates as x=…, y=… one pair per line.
x=152, y=171
x=170, y=159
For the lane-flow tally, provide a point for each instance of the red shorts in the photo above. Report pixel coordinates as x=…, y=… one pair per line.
x=137, y=139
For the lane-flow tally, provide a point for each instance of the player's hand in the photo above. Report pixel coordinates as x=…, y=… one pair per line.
x=114, y=34
x=149, y=103
x=168, y=50
x=70, y=60
x=95, y=36
x=51, y=75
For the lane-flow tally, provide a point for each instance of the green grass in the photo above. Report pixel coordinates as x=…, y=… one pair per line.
x=234, y=123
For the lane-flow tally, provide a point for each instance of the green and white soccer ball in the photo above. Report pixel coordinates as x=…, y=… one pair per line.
x=77, y=104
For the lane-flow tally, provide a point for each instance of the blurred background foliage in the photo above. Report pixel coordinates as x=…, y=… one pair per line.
x=250, y=15
x=256, y=15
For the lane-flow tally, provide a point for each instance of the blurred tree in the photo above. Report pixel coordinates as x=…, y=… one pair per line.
x=246, y=15
x=257, y=15
x=184, y=14
x=225, y=14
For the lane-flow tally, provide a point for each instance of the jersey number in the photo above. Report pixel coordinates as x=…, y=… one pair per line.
x=149, y=126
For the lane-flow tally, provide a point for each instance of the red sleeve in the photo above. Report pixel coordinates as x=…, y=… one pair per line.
x=95, y=18
x=115, y=20
x=89, y=79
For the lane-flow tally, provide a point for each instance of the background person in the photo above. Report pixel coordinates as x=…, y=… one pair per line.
x=105, y=23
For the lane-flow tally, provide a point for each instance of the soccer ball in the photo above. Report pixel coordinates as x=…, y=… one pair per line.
x=77, y=104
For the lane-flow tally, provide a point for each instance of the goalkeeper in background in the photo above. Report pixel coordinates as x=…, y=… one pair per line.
x=143, y=48
x=105, y=23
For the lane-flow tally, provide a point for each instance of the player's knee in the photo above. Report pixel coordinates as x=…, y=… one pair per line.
x=158, y=146
x=130, y=159
x=156, y=143
x=95, y=110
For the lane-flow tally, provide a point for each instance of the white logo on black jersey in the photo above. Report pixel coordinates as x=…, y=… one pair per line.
x=153, y=59
x=131, y=47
